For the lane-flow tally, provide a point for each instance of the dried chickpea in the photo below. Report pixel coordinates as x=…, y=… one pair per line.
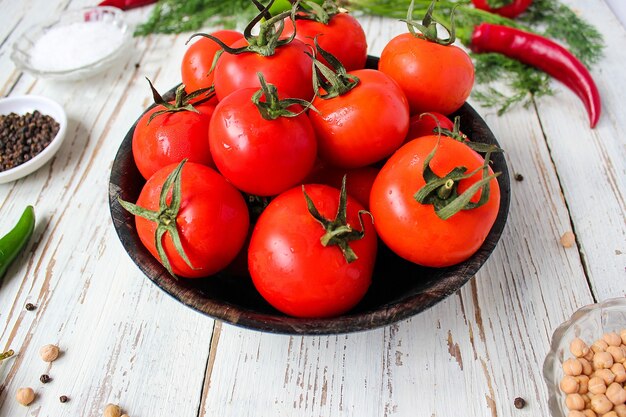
x=578, y=348
x=575, y=402
x=606, y=375
x=599, y=346
x=112, y=410
x=619, y=371
x=620, y=410
x=622, y=335
x=589, y=413
x=612, y=339
x=569, y=384
x=124, y=415
x=617, y=352
x=583, y=383
x=602, y=360
x=25, y=396
x=587, y=368
x=49, y=353
x=610, y=414
x=589, y=355
x=586, y=399
x=600, y=404
x=597, y=385
x=568, y=239
x=616, y=394
x=573, y=367
x=575, y=413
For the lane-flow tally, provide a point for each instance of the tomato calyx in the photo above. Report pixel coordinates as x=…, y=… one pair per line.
x=268, y=38
x=310, y=10
x=273, y=107
x=334, y=81
x=442, y=192
x=459, y=136
x=338, y=231
x=182, y=102
x=427, y=29
x=165, y=217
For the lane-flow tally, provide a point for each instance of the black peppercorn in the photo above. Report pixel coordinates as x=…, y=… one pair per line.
x=44, y=378
x=30, y=306
x=519, y=177
x=63, y=399
x=519, y=402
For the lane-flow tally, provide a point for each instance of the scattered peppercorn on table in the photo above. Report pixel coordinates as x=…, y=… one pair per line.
x=93, y=336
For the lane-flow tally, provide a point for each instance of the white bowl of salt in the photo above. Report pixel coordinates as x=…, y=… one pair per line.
x=78, y=45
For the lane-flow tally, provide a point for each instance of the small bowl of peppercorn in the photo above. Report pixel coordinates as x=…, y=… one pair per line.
x=32, y=129
x=585, y=368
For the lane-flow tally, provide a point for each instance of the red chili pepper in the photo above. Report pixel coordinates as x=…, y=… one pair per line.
x=511, y=11
x=544, y=54
x=126, y=4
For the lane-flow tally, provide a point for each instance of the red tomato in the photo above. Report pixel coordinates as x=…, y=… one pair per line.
x=261, y=157
x=511, y=11
x=171, y=137
x=289, y=69
x=198, y=59
x=434, y=77
x=358, y=184
x=364, y=125
x=423, y=124
x=343, y=37
x=212, y=221
x=413, y=230
x=291, y=268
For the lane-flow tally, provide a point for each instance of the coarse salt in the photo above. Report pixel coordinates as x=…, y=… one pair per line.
x=75, y=45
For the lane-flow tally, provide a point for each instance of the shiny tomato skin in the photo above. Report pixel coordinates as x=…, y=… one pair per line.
x=260, y=157
x=343, y=37
x=364, y=125
x=212, y=222
x=424, y=124
x=434, y=77
x=171, y=137
x=359, y=181
x=411, y=229
x=289, y=69
x=290, y=267
x=198, y=59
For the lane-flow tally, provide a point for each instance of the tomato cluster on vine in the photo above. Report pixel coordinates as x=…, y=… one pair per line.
x=340, y=155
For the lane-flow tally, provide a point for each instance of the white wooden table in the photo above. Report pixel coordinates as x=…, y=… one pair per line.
x=125, y=341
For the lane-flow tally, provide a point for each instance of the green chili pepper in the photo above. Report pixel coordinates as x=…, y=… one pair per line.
x=14, y=241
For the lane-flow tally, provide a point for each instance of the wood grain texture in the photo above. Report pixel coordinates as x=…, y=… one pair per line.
x=125, y=341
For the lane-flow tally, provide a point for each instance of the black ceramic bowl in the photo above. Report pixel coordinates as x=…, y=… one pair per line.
x=399, y=290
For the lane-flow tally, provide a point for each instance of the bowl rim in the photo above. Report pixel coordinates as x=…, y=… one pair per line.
x=450, y=281
x=38, y=29
x=39, y=160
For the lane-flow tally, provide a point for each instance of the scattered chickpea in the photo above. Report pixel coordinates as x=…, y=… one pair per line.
x=568, y=239
x=569, y=384
x=599, y=346
x=112, y=410
x=583, y=384
x=617, y=352
x=587, y=368
x=620, y=410
x=589, y=413
x=49, y=353
x=619, y=371
x=602, y=360
x=575, y=402
x=616, y=393
x=597, y=385
x=600, y=404
x=573, y=367
x=606, y=375
x=578, y=347
x=612, y=339
x=25, y=396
